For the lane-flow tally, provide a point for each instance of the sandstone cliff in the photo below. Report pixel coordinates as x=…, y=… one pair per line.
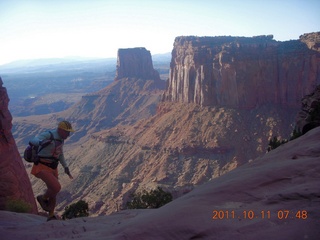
x=243, y=72
x=14, y=181
x=135, y=63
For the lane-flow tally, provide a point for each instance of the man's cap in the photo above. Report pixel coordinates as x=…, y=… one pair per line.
x=65, y=125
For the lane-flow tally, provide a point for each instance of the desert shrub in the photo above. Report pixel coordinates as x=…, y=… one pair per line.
x=18, y=205
x=295, y=134
x=153, y=199
x=275, y=142
x=75, y=210
x=314, y=114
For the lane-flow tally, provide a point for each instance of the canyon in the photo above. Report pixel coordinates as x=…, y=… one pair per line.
x=275, y=196
x=225, y=98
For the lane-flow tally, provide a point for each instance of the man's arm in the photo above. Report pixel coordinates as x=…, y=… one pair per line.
x=65, y=166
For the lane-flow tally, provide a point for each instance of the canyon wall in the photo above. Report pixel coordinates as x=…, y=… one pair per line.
x=14, y=182
x=243, y=72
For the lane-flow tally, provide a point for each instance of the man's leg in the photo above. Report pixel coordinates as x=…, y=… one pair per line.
x=53, y=188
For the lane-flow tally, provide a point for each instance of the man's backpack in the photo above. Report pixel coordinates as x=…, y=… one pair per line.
x=31, y=152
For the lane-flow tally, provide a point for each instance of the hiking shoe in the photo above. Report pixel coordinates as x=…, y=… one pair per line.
x=43, y=203
x=52, y=218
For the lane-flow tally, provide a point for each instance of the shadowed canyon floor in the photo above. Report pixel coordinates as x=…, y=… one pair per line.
x=272, y=197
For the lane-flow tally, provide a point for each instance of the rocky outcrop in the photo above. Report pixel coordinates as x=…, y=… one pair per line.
x=243, y=72
x=14, y=182
x=135, y=63
x=309, y=116
x=133, y=95
x=312, y=40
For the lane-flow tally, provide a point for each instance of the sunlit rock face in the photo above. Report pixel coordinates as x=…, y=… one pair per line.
x=14, y=182
x=243, y=72
x=135, y=63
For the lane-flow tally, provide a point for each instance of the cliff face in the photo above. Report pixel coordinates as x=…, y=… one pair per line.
x=243, y=72
x=14, y=181
x=135, y=63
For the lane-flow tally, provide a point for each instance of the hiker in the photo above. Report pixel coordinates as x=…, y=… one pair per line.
x=50, y=154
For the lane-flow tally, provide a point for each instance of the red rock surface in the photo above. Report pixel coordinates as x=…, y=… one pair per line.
x=243, y=72
x=14, y=181
x=135, y=63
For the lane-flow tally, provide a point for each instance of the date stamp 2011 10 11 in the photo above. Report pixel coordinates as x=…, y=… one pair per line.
x=263, y=214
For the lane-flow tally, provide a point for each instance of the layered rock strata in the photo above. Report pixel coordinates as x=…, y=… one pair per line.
x=15, y=186
x=135, y=63
x=243, y=72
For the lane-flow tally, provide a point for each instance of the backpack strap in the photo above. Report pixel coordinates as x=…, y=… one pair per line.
x=51, y=136
x=51, y=139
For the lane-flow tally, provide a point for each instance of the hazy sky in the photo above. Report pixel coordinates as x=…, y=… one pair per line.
x=32, y=29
